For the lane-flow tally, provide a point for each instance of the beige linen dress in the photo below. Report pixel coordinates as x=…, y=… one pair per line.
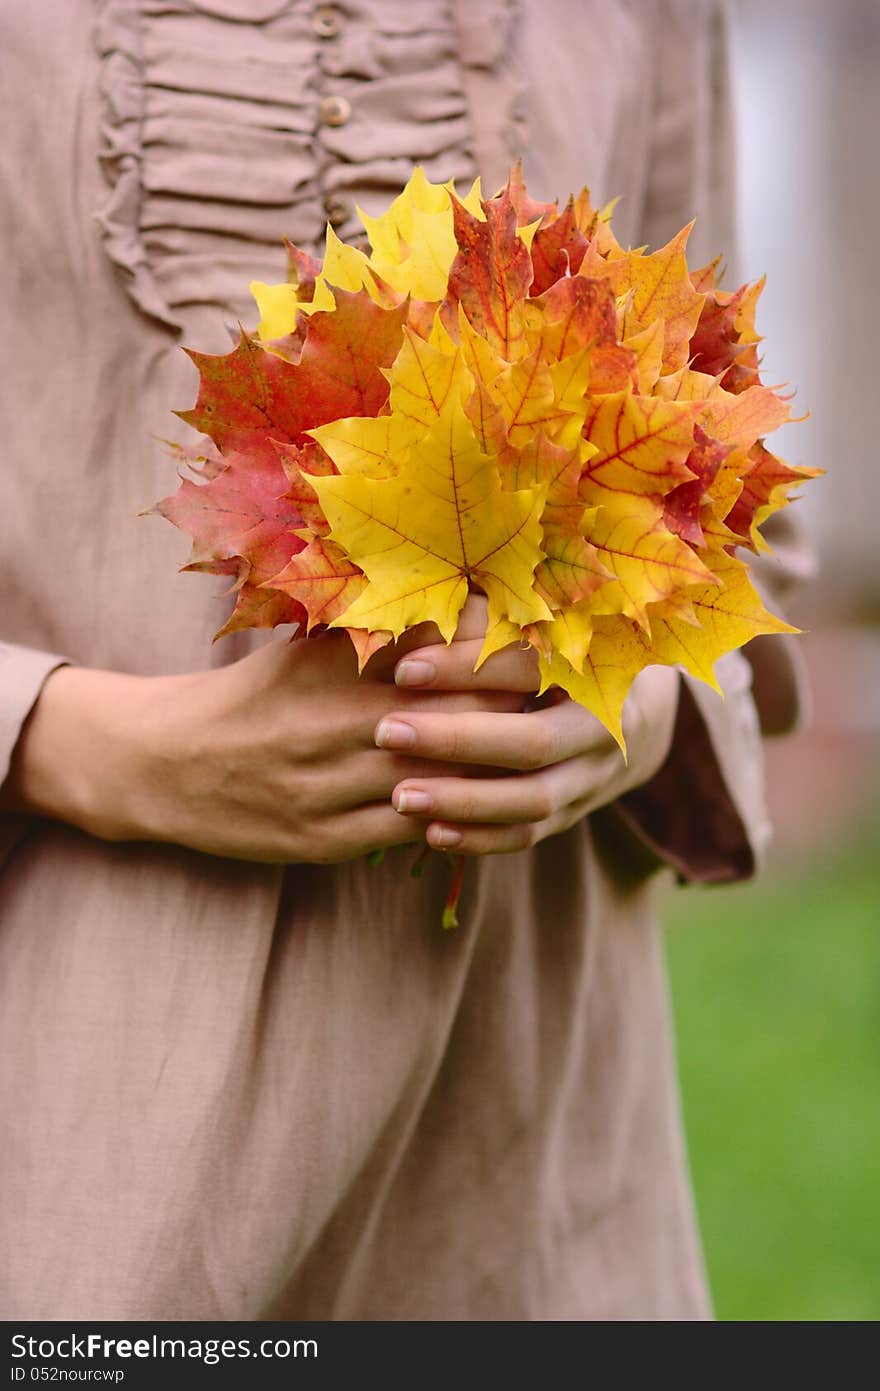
x=239, y=1091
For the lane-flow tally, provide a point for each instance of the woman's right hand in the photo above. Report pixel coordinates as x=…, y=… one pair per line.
x=270, y=759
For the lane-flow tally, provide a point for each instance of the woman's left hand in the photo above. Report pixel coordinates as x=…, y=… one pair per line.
x=545, y=767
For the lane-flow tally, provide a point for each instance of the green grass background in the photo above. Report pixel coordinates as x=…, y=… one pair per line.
x=777, y=1001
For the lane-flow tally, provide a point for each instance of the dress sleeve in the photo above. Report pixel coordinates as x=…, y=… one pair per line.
x=704, y=812
x=23, y=671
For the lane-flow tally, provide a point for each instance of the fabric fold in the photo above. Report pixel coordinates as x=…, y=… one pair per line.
x=703, y=813
x=495, y=84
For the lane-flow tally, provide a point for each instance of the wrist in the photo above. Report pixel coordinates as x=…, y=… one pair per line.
x=84, y=755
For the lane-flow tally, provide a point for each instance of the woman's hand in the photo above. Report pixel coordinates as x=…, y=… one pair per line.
x=270, y=759
x=558, y=761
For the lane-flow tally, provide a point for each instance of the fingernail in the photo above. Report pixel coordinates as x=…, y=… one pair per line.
x=414, y=673
x=413, y=800
x=444, y=837
x=391, y=734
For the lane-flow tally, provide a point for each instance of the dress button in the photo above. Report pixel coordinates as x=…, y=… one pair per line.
x=326, y=22
x=335, y=111
x=337, y=210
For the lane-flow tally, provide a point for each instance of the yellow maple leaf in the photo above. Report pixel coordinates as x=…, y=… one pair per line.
x=424, y=379
x=570, y=633
x=278, y=306
x=571, y=569
x=659, y=287
x=371, y=445
x=483, y=361
x=648, y=348
x=736, y=419
x=347, y=268
x=641, y=443
x=648, y=562
x=487, y=419
x=527, y=394
x=730, y=613
x=570, y=378
x=391, y=234
x=413, y=243
x=615, y=657
x=442, y=524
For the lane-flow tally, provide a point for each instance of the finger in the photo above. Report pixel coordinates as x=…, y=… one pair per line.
x=374, y=827
x=495, y=840
x=380, y=666
x=471, y=625
x=374, y=704
x=511, y=800
x=524, y=742
x=472, y=619
x=452, y=668
x=353, y=727
x=371, y=776
x=454, y=702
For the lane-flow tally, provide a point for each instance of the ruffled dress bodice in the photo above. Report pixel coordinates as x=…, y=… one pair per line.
x=231, y=124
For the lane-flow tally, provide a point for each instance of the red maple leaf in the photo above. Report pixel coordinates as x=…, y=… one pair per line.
x=250, y=397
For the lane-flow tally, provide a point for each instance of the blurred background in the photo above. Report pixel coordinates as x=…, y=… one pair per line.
x=777, y=984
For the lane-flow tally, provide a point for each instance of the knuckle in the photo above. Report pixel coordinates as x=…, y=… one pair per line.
x=450, y=741
x=512, y=839
x=324, y=848
x=465, y=808
x=520, y=837
x=313, y=739
x=531, y=835
x=535, y=749
x=541, y=804
x=551, y=745
x=304, y=792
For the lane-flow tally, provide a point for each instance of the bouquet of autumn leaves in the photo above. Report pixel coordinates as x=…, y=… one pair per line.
x=496, y=397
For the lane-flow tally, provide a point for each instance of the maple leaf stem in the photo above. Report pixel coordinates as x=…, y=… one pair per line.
x=450, y=907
